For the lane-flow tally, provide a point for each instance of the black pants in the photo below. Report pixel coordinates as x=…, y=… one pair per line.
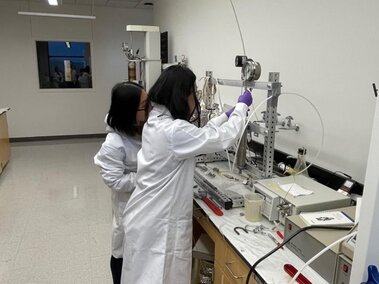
x=116, y=268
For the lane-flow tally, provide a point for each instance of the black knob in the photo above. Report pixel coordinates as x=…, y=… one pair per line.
x=240, y=60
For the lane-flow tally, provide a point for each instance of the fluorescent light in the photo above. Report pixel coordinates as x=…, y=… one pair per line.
x=68, y=45
x=56, y=15
x=138, y=28
x=53, y=2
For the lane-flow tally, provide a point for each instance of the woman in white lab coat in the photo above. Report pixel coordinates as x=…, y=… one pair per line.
x=158, y=216
x=117, y=158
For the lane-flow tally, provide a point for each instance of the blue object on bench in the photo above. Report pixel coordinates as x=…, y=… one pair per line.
x=373, y=275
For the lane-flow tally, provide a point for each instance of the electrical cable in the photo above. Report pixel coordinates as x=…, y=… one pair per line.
x=321, y=253
x=253, y=267
x=239, y=28
x=321, y=144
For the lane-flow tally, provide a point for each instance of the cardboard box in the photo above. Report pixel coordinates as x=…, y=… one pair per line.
x=5, y=148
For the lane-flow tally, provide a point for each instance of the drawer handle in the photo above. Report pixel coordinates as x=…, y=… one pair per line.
x=231, y=272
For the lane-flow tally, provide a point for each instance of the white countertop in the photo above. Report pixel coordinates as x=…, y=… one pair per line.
x=253, y=246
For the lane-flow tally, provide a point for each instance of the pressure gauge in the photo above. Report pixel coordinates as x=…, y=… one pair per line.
x=251, y=70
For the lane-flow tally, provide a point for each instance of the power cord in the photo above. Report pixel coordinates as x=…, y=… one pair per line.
x=346, y=228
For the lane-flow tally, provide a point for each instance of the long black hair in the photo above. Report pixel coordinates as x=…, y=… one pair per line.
x=172, y=89
x=124, y=106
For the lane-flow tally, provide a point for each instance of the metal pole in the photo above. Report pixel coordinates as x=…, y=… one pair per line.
x=270, y=118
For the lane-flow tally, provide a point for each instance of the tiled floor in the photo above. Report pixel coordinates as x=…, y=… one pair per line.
x=55, y=215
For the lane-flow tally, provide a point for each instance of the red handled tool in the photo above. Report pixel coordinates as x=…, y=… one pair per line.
x=279, y=233
x=291, y=270
x=213, y=206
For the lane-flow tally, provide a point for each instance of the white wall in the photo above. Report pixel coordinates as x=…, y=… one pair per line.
x=324, y=50
x=37, y=112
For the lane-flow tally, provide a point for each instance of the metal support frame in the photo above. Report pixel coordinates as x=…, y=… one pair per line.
x=270, y=119
x=258, y=85
x=273, y=88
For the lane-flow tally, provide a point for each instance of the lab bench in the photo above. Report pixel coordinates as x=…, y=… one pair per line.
x=229, y=267
x=235, y=254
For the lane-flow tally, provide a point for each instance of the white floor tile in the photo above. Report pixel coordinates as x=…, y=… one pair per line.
x=55, y=215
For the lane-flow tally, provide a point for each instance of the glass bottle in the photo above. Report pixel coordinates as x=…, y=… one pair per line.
x=132, y=71
x=301, y=163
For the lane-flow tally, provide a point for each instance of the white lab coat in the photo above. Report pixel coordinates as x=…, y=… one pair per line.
x=117, y=160
x=158, y=216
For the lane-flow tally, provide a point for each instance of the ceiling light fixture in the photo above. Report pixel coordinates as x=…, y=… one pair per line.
x=53, y=2
x=57, y=15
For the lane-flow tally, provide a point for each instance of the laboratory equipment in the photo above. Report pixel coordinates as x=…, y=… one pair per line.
x=206, y=97
x=144, y=70
x=271, y=202
x=213, y=192
x=253, y=207
x=292, y=202
x=308, y=244
x=250, y=73
x=288, y=125
x=344, y=261
x=273, y=87
x=240, y=228
x=347, y=186
x=221, y=186
x=251, y=70
x=212, y=206
x=301, y=166
x=260, y=229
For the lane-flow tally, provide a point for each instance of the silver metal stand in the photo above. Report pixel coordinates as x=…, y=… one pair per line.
x=273, y=88
x=270, y=119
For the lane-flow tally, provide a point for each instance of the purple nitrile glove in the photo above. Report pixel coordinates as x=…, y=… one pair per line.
x=246, y=98
x=229, y=112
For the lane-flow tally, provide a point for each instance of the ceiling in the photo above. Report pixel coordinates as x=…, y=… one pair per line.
x=109, y=3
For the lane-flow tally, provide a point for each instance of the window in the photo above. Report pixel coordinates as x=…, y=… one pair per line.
x=64, y=64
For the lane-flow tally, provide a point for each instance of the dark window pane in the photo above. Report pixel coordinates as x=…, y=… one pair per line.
x=64, y=64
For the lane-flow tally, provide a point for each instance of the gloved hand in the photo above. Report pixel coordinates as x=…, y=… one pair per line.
x=246, y=98
x=229, y=112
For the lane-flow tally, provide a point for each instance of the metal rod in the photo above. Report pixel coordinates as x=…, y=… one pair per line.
x=267, y=86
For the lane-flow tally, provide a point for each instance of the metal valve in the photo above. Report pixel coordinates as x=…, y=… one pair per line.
x=289, y=125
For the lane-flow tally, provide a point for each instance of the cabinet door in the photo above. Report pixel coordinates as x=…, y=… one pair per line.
x=220, y=277
x=213, y=234
x=234, y=267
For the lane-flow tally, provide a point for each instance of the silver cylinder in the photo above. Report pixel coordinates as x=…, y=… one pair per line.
x=241, y=152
